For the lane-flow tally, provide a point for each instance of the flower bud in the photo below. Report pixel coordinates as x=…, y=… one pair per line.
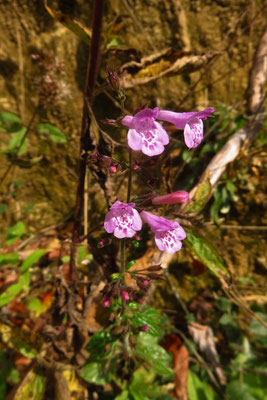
x=144, y=328
x=154, y=276
x=176, y=197
x=106, y=301
x=113, y=169
x=125, y=295
x=113, y=80
x=154, y=268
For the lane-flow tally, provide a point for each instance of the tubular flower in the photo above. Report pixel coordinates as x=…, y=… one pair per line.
x=168, y=234
x=175, y=197
x=122, y=220
x=145, y=133
x=190, y=122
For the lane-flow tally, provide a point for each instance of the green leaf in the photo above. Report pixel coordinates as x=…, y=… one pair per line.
x=32, y=259
x=201, y=197
x=205, y=252
x=158, y=359
x=97, y=345
x=125, y=395
x=31, y=387
x=53, y=133
x=223, y=304
x=9, y=258
x=15, y=143
x=257, y=385
x=93, y=372
x=130, y=264
x=24, y=348
x=236, y=390
x=10, y=293
x=14, y=232
x=259, y=330
x=148, y=316
x=142, y=386
x=10, y=122
x=35, y=305
x=197, y=389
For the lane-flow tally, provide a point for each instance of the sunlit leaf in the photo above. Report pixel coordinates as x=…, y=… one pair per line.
x=81, y=31
x=205, y=252
x=32, y=386
x=14, y=232
x=11, y=292
x=198, y=389
x=155, y=355
x=32, y=259
x=148, y=316
x=35, y=305
x=52, y=132
x=9, y=258
x=200, y=198
x=18, y=142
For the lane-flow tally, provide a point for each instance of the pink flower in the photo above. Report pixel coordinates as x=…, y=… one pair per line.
x=106, y=301
x=168, y=234
x=175, y=197
x=125, y=295
x=191, y=122
x=122, y=220
x=145, y=133
x=144, y=328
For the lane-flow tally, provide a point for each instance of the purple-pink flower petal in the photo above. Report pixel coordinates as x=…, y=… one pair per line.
x=193, y=133
x=181, y=119
x=123, y=220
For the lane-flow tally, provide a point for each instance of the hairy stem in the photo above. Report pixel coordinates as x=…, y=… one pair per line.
x=86, y=142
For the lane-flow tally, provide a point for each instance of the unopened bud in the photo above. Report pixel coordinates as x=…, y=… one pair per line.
x=176, y=197
x=135, y=166
x=106, y=301
x=154, y=268
x=125, y=295
x=113, y=80
x=113, y=169
x=154, y=276
x=144, y=328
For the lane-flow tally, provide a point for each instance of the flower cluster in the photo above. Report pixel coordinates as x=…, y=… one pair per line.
x=123, y=220
x=147, y=135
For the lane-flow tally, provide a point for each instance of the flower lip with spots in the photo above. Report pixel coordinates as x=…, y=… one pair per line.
x=191, y=122
x=168, y=234
x=122, y=220
x=145, y=133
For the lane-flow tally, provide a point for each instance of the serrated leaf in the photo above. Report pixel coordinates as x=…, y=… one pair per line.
x=52, y=132
x=97, y=345
x=73, y=25
x=148, y=316
x=31, y=259
x=10, y=122
x=156, y=356
x=32, y=386
x=14, y=232
x=205, y=252
x=201, y=197
x=9, y=258
x=93, y=372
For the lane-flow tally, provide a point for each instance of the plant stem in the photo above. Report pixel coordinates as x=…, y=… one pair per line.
x=129, y=177
x=123, y=245
x=86, y=141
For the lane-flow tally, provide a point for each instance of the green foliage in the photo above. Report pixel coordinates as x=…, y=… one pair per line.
x=201, y=197
x=14, y=232
x=9, y=258
x=33, y=258
x=10, y=122
x=151, y=317
x=205, y=252
x=223, y=196
x=199, y=389
x=157, y=358
x=259, y=331
x=50, y=131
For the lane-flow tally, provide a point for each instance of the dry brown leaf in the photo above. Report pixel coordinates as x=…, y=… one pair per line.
x=204, y=338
